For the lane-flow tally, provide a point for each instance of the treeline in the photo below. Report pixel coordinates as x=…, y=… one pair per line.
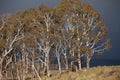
x=33, y=40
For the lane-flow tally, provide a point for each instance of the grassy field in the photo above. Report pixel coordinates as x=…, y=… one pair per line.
x=95, y=73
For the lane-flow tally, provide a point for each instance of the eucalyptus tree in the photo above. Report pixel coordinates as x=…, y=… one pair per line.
x=63, y=13
x=70, y=21
x=45, y=22
x=10, y=31
x=85, y=27
x=71, y=29
x=58, y=45
x=93, y=31
x=29, y=45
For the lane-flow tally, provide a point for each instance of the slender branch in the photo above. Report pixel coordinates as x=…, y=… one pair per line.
x=100, y=50
x=8, y=62
x=99, y=47
x=42, y=61
x=16, y=38
x=93, y=45
x=37, y=72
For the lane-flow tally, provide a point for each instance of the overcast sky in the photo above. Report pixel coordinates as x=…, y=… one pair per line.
x=109, y=10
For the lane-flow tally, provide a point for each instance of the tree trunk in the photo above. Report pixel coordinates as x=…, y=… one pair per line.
x=42, y=65
x=59, y=63
x=39, y=68
x=66, y=62
x=1, y=76
x=88, y=62
x=24, y=69
x=33, y=62
x=72, y=66
x=13, y=71
x=79, y=64
x=48, y=62
x=1, y=73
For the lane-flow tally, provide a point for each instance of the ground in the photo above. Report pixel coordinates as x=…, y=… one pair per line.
x=95, y=73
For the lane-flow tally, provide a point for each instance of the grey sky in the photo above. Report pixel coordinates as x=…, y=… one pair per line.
x=109, y=10
x=9, y=6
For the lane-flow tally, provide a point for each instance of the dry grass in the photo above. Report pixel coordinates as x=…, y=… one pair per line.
x=95, y=73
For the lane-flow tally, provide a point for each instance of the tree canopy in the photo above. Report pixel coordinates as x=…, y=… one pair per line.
x=39, y=38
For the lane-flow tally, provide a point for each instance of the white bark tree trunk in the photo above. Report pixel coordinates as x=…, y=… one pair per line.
x=59, y=63
x=48, y=61
x=87, y=62
x=48, y=20
x=1, y=76
x=79, y=61
x=66, y=62
x=79, y=64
